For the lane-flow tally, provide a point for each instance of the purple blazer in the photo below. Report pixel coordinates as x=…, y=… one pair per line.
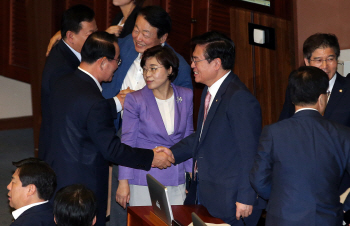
x=143, y=127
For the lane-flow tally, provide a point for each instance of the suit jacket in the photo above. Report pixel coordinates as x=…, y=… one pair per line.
x=337, y=110
x=299, y=167
x=143, y=127
x=226, y=149
x=128, y=54
x=41, y=215
x=61, y=61
x=83, y=138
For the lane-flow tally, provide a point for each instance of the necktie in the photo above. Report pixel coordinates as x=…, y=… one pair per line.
x=206, y=105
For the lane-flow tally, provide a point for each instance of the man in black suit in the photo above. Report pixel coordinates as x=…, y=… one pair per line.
x=77, y=24
x=322, y=51
x=226, y=140
x=32, y=185
x=301, y=160
x=83, y=139
x=75, y=205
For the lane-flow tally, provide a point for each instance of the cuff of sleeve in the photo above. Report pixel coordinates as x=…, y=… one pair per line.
x=118, y=104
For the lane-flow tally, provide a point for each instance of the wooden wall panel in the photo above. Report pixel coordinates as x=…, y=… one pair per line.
x=239, y=19
x=273, y=67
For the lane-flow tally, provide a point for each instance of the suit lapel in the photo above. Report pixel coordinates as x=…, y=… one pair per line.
x=337, y=92
x=214, y=106
x=177, y=109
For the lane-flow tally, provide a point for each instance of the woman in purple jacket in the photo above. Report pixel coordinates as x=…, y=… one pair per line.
x=160, y=114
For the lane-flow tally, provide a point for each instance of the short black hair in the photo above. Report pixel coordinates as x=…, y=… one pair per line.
x=139, y=2
x=37, y=172
x=98, y=44
x=157, y=17
x=165, y=56
x=306, y=84
x=320, y=40
x=72, y=18
x=74, y=205
x=217, y=45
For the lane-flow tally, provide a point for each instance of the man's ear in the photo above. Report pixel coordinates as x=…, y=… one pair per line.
x=217, y=63
x=54, y=218
x=94, y=221
x=70, y=37
x=307, y=62
x=102, y=62
x=31, y=188
x=163, y=38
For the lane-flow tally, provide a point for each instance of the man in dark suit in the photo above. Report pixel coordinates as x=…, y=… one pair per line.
x=75, y=205
x=301, y=160
x=77, y=24
x=32, y=185
x=322, y=51
x=225, y=142
x=83, y=136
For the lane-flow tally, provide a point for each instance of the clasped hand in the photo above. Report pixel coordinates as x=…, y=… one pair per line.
x=163, y=157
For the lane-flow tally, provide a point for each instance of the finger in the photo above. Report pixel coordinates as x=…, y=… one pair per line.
x=238, y=214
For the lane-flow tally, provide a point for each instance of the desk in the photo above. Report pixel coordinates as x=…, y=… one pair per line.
x=140, y=215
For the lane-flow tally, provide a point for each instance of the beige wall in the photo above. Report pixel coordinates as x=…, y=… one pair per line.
x=327, y=16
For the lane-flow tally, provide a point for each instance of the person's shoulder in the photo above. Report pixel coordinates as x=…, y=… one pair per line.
x=183, y=90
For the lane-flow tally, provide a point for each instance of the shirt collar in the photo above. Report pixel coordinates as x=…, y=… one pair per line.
x=97, y=83
x=77, y=54
x=21, y=210
x=213, y=89
x=306, y=109
x=331, y=83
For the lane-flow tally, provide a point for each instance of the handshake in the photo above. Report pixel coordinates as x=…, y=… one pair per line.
x=163, y=157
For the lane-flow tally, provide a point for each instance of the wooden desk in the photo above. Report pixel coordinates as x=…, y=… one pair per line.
x=140, y=215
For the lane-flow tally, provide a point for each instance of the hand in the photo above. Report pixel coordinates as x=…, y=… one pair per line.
x=115, y=30
x=162, y=160
x=123, y=193
x=53, y=41
x=243, y=210
x=166, y=150
x=122, y=94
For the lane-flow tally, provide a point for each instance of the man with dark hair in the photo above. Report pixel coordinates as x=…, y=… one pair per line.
x=77, y=24
x=83, y=139
x=152, y=27
x=301, y=160
x=322, y=50
x=32, y=185
x=75, y=205
x=226, y=139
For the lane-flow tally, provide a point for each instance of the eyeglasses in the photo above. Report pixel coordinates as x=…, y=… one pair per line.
x=329, y=61
x=153, y=70
x=195, y=61
x=119, y=60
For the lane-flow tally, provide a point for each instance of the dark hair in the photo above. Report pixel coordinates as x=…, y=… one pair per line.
x=157, y=17
x=306, y=84
x=165, y=56
x=74, y=205
x=98, y=44
x=72, y=18
x=37, y=172
x=320, y=40
x=217, y=45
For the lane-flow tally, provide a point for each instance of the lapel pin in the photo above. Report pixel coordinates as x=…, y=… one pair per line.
x=340, y=90
x=216, y=100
